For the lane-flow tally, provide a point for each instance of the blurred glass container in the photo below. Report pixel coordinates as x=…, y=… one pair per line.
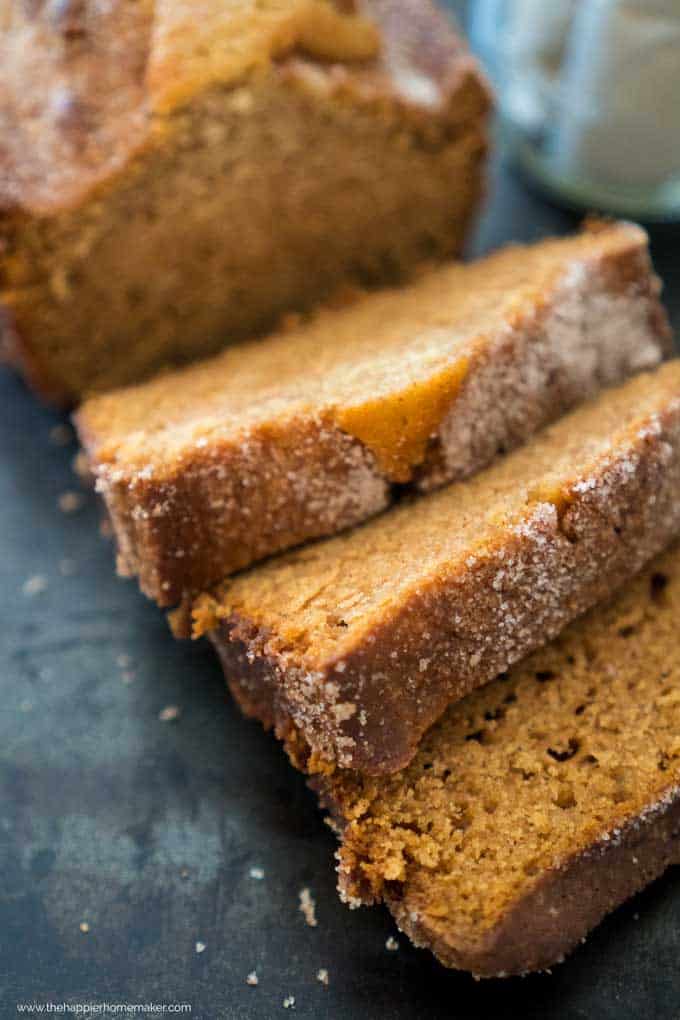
x=589, y=95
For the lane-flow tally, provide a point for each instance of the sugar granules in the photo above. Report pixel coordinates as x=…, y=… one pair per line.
x=69, y=502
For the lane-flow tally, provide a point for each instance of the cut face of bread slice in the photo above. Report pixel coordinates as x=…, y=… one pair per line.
x=174, y=176
x=305, y=433
x=537, y=804
x=364, y=639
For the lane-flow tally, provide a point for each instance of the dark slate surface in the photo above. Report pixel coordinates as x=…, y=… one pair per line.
x=147, y=830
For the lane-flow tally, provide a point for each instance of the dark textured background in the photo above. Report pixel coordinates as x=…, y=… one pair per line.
x=147, y=830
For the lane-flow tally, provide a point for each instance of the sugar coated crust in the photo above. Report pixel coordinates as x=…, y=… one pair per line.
x=537, y=804
x=362, y=641
x=208, y=469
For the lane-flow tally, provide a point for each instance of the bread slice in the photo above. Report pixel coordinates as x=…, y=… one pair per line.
x=309, y=431
x=537, y=804
x=176, y=175
x=364, y=639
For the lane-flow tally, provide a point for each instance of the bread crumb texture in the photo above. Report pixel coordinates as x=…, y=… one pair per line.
x=557, y=761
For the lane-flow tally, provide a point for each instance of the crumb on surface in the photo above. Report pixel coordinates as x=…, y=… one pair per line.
x=391, y=944
x=257, y=874
x=322, y=975
x=308, y=907
x=169, y=714
x=70, y=501
x=61, y=435
x=252, y=978
x=200, y=947
x=289, y=1002
x=81, y=465
x=34, y=585
x=84, y=927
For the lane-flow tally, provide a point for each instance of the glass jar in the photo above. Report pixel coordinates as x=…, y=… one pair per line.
x=589, y=97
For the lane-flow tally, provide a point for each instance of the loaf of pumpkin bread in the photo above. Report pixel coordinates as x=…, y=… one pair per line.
x=538, y=803
x=361, y=641
x=174, y=175
x=306, y=432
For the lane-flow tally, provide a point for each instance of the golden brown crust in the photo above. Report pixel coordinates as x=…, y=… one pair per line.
x=408, y=386
x=81, y=82
x=196, y=45
x=362, y=696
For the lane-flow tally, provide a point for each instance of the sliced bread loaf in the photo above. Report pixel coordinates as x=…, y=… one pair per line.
x=537, y=804
x=175, y=175
x=364, y=639
x=300, y=435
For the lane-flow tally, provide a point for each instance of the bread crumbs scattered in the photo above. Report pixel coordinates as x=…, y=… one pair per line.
x=84, y=927
x=391, y=944
x=69, y=502
x=169, y=714
x=308, y=907
x=200, y=947
x=80, y=465
x=322, y=976
x=257, y=874
x=289, y=1002
x=252, y=978
x=34, y=585
x=61, y=435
